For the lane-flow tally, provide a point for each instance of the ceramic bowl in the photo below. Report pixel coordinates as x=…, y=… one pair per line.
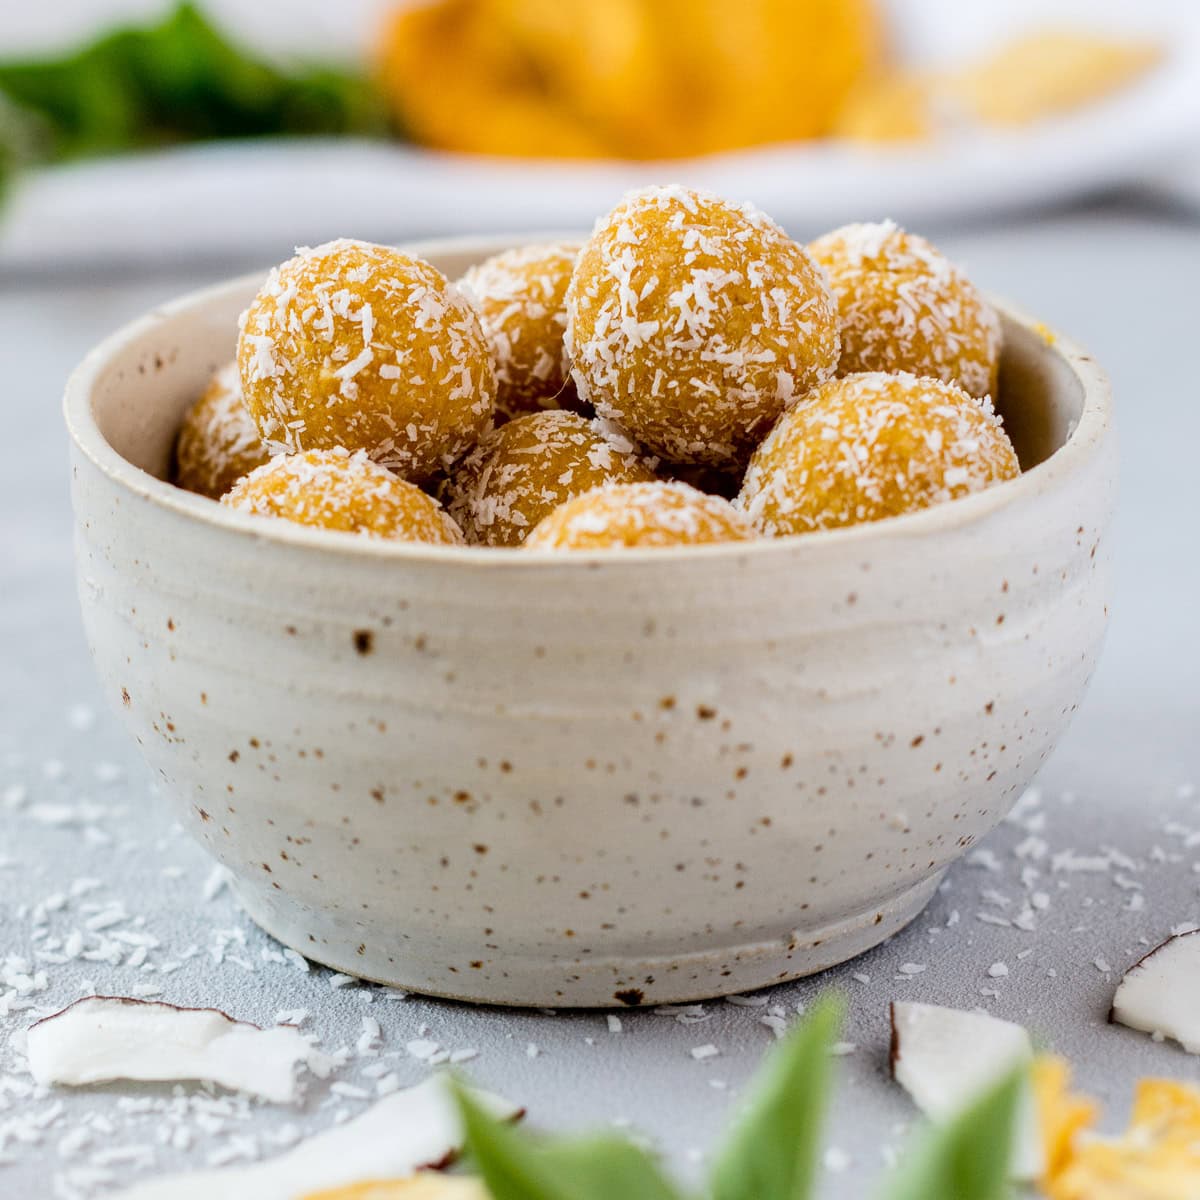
x=588, y=779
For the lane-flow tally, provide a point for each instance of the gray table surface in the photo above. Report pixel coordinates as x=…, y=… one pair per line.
x=86, y=846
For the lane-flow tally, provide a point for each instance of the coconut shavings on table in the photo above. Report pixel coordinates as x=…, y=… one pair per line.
x=101, y=893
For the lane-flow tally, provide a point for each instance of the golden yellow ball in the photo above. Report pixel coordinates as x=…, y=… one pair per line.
x=524, y=469
x=640, y=515
x=904, y=306
x=218, y=441
x=334, y=489
x=871, y=446
x=694, y=322
x=357, y=345
x=520, y=297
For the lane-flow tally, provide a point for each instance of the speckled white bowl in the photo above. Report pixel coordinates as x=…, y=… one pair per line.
x=585, y=780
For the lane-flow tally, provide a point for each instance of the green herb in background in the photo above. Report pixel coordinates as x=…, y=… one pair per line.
x=20, y=135
x=181, y=80
x=8, y=149
x=773, y=1151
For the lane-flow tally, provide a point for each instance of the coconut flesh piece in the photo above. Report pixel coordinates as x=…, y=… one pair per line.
x=1161, y=993
x=101, y=1038
x=945, y=1058
x=401, y=1134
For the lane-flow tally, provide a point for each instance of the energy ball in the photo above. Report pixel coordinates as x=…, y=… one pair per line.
x=694, y=323
x=872, y=446
x=527, y=468
x=218, y=440
x=904, y=306
x=519, y=296
x=360, y=346
x=630, y=515
x=334, y=489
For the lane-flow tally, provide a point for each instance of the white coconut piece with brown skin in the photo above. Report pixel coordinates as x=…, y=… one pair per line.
x=1160, y=994
x=406, y=1132
x=102, y=1038
x=944, y=1058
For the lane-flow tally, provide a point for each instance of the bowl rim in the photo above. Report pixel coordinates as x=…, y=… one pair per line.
x=1082, y=444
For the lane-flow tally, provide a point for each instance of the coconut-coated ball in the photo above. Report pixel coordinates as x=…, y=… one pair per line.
x=638, y=515
x=357, y=345
x=694, y=322
x=524, y=469
x=520, y=298
x=334, y=489
x=871, y=446
x=904, y=306
x=218, y=441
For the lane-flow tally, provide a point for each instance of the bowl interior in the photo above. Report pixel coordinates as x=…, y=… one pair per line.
x=160, y=366
x=1040, y=396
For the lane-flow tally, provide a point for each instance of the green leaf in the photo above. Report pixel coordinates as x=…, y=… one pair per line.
x=772, y=1152
x=181, y=79
x=19, y=143
x=607, y=1168
x=517, y=1167
x=969, y=1157
x=8, y=153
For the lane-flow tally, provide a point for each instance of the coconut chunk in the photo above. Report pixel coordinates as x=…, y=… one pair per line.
x=401, y=1134
x=944, y=1058
x=1160, y=994
x=101, y=1038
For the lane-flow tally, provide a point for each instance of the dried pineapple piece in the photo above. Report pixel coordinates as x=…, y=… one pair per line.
x=1047, y=72
x=426, y=1186
x=1156, y=1158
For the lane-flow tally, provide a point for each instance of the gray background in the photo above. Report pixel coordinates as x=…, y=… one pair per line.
x=76, y=804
